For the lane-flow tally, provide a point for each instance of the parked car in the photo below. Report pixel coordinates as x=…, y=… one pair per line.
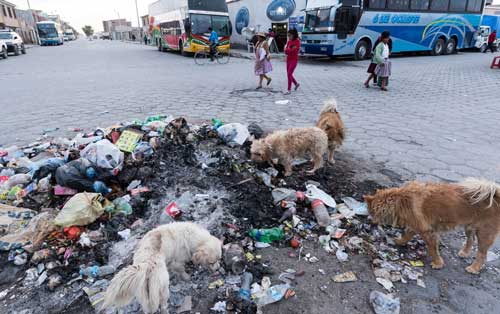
x=3, y=49
x=14, y=42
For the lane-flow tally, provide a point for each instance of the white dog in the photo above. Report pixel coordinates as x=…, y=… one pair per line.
x=170, y=246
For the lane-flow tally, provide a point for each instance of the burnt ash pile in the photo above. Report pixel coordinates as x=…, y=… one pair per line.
x=209, y=182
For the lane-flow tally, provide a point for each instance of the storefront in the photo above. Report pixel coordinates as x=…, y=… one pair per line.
x=262, y=15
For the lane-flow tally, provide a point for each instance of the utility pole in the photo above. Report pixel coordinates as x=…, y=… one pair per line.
x=138, y=21
x=37, y=37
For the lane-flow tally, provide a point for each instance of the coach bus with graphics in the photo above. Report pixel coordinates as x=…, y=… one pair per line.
x=351, y=27
x=182, y=25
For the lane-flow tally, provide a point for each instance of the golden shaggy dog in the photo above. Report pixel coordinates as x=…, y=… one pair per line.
x=428, y=209
x=291, y=144
x=168, y=246
x=331, y=122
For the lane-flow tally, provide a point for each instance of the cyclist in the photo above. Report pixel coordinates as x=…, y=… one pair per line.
x=214, y=41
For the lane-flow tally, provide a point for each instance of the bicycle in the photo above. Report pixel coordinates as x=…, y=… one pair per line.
x=202, y=57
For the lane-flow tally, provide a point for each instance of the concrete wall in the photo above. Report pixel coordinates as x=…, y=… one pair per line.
x=256, y=14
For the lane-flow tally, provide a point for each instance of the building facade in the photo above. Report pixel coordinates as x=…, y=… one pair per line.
x=121, y=29
x=262, y=15
x=27, y=26
x=8, y=16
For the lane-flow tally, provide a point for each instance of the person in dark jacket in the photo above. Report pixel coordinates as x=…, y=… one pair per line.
x=373, y=65
x=491, y=41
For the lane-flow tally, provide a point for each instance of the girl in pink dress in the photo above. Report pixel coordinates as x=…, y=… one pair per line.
x=262, y=60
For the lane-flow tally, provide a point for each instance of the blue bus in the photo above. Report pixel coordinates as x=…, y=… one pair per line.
x=50, y=33
x=351, y=27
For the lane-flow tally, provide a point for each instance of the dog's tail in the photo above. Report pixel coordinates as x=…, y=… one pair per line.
x=481, y=190
x=330, y=105
x=148, y=282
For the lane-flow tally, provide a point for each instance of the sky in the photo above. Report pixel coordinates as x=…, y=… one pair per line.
x=92, y=12
x=89, y=12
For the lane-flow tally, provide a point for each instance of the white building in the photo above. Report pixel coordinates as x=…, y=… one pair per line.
x=279, y=15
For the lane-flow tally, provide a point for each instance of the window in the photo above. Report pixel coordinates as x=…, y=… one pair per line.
x=14, y=11
x=4, y=10
x=419, y=5
x=439, y=5
x=10, y=11
x=458, y=5
x=398, y=4
x=475, y=6
x=376, y=4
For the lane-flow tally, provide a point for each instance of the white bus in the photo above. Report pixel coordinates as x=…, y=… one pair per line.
x=50, y=33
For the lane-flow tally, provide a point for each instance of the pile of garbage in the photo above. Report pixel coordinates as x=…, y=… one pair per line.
x=72, y=211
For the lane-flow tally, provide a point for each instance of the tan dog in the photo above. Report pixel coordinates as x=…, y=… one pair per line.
x=331, y=122
x=428, y=209
x=291, y=144
x=170, y=246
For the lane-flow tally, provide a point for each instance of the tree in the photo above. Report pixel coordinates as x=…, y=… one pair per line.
x=87, y=29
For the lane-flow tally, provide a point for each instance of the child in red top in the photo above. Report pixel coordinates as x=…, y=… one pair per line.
x=292, y=50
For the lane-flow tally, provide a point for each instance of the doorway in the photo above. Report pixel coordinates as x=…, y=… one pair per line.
x=280, y=31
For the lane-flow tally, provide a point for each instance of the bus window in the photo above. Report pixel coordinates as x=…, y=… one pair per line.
x=376, y=4
x=439, y=5
x=474, y=6
x=398, y=4
x=458, y=5
x=221, y=25
x=318, y=19
x=419, y=5
x=200, y=24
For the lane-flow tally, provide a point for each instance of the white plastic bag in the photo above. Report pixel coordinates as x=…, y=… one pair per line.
x=105, y=155
x=314, y=193
x=234, y=133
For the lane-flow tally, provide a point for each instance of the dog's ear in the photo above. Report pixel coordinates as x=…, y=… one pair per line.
x=200, y=257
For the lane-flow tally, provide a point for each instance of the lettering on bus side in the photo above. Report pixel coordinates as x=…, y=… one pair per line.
x=396, y=19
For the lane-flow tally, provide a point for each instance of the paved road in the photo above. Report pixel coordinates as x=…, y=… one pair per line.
x=440, y=119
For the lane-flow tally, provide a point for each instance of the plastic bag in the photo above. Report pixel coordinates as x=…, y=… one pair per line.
x=313, y=192
x=142, y=151
x=33, y=234
x=234, y=133
x=81, y=210
x=74, y=175
x=105, y=155
x=14, y=218
x=43, y=168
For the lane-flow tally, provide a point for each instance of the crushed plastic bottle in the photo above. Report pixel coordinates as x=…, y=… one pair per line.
x=272, y=295
x=359, y=208
x=96, y=271
x=244, y=292
x=321, y=213
x=267, y=235
x=100, y=187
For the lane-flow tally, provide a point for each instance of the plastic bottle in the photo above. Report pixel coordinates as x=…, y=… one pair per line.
x=100, y=187
x=291, y=210
x=246, y=281
x=267, y=235
x=321, y=213
x=272, y=295
x=217, y=123
x=96, y=271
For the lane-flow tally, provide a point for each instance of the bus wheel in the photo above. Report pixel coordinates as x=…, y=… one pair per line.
x=23, y=50
x=438, y=47
x=362, y=50
x=451, y=46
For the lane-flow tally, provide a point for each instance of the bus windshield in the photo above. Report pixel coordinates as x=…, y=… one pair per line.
x=201, y=22
x=47, y=30
x=317, y=20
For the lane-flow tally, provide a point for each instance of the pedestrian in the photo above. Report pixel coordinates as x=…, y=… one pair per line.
x=262, y=60
x=491, y=41
x=145, y=39
x=381, y=58
x=292, y=50
x=373, y=65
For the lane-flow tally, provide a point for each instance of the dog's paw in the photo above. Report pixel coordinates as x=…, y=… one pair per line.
x=473, y=269
x=464, y=254
x=437, y=264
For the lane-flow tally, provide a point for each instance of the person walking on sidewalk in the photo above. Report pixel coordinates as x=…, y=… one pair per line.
x=373, y=65
x=145, y=39
x=491, y=41
x=383, y=69
x=292, y=50
x=262, y=60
